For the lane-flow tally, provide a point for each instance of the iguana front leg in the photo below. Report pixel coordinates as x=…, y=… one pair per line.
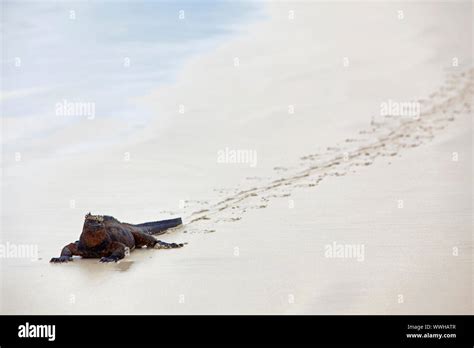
x=67, y=253
x=116, y=251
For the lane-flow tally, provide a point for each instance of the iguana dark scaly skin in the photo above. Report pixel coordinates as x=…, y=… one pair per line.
x=107, y=238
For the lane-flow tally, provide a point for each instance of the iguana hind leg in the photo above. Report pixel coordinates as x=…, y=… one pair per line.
x=163, y=245
x=67, y=253
x=142, y=239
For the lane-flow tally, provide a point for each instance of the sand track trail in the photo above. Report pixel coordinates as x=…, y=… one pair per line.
x=387, y=136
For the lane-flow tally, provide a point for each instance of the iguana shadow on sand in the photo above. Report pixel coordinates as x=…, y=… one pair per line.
x=110, y=240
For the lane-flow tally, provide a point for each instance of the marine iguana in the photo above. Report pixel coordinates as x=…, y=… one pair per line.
x=105, y=237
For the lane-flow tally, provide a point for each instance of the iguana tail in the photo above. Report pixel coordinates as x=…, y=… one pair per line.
x=156, y=227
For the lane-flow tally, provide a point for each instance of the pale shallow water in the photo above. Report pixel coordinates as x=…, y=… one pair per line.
x=102, y=53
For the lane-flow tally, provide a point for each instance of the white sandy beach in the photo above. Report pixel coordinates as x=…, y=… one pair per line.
x=301, y=91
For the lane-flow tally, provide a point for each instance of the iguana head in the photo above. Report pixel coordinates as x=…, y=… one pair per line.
x=93, y=232
x=96, y=218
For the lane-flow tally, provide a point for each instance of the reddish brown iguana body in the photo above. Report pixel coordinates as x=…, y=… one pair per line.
x=107, y=238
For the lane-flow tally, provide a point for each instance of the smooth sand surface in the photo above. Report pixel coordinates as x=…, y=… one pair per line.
x=332, y=171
